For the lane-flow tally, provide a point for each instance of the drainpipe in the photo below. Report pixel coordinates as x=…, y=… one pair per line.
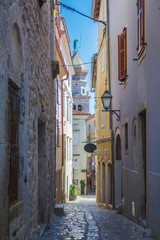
x=62, y=80
x=110, y=114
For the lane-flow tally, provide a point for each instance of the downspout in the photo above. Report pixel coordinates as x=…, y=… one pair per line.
x=110, y=113
x=62, y=80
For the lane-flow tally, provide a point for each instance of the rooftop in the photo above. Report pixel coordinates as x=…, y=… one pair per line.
x=76, y=112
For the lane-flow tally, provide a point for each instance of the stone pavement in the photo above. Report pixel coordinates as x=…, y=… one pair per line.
x=83, y=219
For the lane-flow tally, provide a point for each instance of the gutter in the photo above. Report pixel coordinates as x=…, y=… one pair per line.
x=62, y=80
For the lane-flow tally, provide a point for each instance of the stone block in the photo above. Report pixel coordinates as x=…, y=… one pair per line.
x=147, y=233
x=59, y=209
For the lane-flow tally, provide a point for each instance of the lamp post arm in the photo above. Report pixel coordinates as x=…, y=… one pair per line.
x=118, y=115
x=114, y=111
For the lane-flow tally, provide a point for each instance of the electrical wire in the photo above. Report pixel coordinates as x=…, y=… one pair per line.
x=88, y=62
x=76, y=64
x=96, y=20
x=84, y=15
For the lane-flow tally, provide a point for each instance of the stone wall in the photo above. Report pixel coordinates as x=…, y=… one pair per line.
x=26, y=53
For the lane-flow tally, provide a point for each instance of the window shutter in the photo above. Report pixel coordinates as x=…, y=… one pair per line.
x=122, y=55
x=140, y=26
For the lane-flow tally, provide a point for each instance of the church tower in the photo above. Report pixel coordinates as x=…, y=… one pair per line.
x=79, y=93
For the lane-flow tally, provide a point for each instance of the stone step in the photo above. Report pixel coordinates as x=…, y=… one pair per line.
x=59, y=210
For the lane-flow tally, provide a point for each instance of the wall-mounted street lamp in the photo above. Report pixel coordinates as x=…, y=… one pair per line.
x=106, y=100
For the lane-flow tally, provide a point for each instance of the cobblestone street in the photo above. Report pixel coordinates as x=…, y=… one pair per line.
x=83, y=219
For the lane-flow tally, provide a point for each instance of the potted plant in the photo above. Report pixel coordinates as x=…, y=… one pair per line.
x=72, y=192
x=82, y=182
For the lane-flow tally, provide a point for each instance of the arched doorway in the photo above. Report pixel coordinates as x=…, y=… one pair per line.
x=109, y=188
x=103, y=183
x=118, y=172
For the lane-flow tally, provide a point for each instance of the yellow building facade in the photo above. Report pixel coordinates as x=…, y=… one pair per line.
x=99, y=82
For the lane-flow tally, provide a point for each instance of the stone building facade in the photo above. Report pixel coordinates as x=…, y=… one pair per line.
x=27, y=121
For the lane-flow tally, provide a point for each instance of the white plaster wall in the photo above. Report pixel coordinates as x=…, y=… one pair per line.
x=78, y=150
x=143, y=86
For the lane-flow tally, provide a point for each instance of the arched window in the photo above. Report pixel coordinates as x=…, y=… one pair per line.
x=16, y=43
x=79, y=107
x=74, y=107
x=118, y=147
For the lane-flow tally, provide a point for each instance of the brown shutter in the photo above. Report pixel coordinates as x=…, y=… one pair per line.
x=122, y=55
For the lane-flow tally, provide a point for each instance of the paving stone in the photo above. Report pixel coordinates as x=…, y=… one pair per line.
x=86, y=220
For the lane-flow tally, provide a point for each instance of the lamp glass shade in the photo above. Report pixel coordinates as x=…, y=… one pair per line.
x=106, y=100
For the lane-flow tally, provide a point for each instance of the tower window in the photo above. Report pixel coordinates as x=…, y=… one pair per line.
x=83, y=91
x=74, y=107
x=79, y=107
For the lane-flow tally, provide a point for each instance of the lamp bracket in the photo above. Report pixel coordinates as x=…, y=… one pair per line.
x=114, y=111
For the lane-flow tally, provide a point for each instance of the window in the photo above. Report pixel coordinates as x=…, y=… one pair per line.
x=83, y=90
x=70, y=117
x=126, y=137
x=134, y=146
x=14, y=110
x=74, y=107
x=97, y=118
x=79, y=107
x=68, y=110
x=58, y=136
x=102, y=116
x=57, y=92
x=140, y=27
x=41, y=2
x=64, y=104
x=75, y=139
x=75, y=122
x=122, y=55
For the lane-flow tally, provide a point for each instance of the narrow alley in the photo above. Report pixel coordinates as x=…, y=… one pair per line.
x=84, y=219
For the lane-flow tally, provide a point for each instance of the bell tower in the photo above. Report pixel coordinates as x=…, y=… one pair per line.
x=79, y=93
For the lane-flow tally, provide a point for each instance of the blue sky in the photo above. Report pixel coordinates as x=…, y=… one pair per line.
x=83, y=29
